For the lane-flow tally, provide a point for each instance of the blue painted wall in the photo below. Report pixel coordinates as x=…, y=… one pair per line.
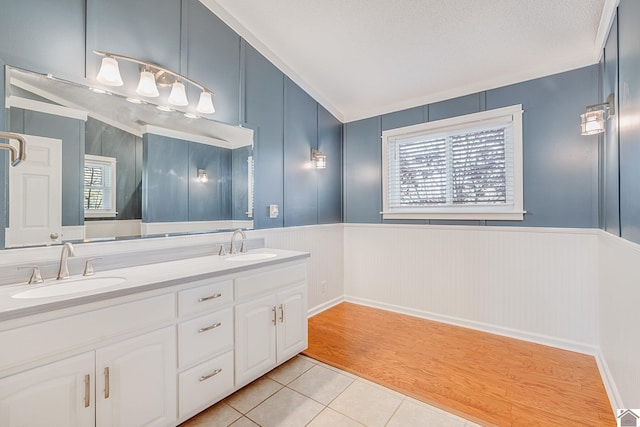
x=300, y=178
x=171, y=191
x=72, y=134
x=59, y=37
x=609, y=151
x=104, y=140
x=264, y=110
x=629, y=111
x=329, y=179
x=560, y=165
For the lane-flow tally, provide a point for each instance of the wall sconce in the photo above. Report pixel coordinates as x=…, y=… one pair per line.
x=593, y=119
x=151, y=76
x=202, y=176
x=319, y=158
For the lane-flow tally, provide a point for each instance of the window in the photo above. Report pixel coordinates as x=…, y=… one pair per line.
x=466, y=167
x=99, y=186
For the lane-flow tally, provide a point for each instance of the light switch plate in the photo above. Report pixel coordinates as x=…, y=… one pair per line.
x=273, y=211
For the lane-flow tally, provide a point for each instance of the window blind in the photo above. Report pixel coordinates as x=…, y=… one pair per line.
x=97, y=190
x=469, y=166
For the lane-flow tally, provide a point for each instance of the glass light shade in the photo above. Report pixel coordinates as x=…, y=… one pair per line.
x=202, y=175
x=147, y=85
x=178, y=95
x=592, y=122
x=319, y=158
x=109, y=73
x=205, y=105
x=321, y=162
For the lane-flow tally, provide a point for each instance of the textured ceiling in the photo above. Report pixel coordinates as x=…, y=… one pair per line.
x=361, y=58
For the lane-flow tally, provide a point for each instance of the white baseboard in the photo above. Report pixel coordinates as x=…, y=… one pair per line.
x=324, y=306
x=609, y=384
x=484, y=327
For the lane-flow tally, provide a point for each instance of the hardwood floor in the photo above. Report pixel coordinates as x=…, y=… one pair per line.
x=486, y=378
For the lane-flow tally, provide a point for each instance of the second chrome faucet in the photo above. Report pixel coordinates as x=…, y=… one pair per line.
x=67, y=251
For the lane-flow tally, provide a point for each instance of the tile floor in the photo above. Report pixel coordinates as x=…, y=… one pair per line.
x=304, y=392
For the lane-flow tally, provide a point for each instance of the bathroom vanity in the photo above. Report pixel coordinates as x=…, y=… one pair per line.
x=154, y=345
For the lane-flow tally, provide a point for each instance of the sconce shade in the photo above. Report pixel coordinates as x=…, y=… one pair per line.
x=202, y=175
x=109, y=73
x=592, y=122
x=319, y=158
x=205, y=105
x=147, y=85
x=178, y=95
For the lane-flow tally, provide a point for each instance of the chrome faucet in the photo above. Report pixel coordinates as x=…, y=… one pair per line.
x=67, y=251
x=232, y=250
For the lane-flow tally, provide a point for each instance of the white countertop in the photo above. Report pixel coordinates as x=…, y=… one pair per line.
x=137, y=279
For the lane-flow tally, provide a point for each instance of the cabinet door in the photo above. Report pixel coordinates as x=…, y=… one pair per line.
x=292, y=322
x=255, y=338
x=58, y=394
x=136, y=381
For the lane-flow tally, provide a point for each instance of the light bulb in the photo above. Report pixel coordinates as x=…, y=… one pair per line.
x=147, y=85
x=178, y=95
x=109, y=73
x=205, y=105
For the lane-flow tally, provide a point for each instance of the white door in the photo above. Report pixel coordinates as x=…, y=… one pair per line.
x=58, y=394
x=292, y=322
x=136, y=381
x=35, y=194
x=255, y=338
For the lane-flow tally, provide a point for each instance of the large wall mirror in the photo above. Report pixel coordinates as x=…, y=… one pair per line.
x=101, y=167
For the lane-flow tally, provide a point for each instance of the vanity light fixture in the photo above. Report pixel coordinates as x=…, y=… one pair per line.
x=165, y=108
x=202, y=175
x=593, y=119
x=319, y=159
x=151, y=76
x=191, y=116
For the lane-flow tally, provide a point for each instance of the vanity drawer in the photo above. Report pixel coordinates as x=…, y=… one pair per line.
x=255, y=284
x=205, y=384
x=205, y=298
x=47, y=339
x=204, y=336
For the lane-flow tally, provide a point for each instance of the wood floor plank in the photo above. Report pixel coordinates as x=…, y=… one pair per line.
x=486, y=378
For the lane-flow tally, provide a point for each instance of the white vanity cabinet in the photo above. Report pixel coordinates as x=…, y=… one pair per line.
x=129, y=383
x=271, y=320
x=151, y=358
x=57, y=394
x=135, y=381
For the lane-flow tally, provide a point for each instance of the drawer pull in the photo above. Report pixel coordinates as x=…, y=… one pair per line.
x=274, y=314
x=208, y=328
x=212, y=374
x=87, y=391
x=106, y=383
x=214, y=296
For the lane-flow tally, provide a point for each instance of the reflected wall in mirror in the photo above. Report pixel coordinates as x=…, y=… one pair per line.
x=159, y=160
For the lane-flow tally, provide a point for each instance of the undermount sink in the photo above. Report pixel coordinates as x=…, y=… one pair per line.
x=69, y=287
x=251, y=257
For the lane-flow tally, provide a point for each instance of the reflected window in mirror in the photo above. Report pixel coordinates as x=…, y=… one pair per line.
x=99, y=186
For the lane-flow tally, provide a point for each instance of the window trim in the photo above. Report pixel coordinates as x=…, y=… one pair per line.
x=513, y=212
x=109, y=162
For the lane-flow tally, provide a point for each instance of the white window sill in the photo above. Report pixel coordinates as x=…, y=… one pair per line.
x=100, y=214
x=473, y=216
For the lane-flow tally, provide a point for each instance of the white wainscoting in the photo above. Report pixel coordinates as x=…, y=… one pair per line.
x=619, y=301
x=326, y=265
x=529, y=283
